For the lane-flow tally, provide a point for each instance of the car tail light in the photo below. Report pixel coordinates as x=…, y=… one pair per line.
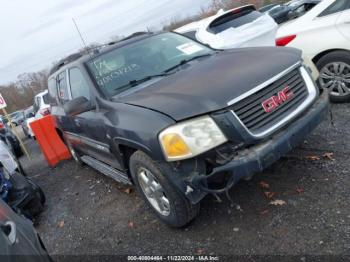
x=2, y=126
x=45, y=111
x=283, y=41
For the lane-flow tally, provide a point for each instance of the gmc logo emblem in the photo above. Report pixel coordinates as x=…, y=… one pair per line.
x=275, y=101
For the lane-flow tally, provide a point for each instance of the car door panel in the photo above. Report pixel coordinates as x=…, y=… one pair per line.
x=343, y=24
x=90, y=127
x=96, y=138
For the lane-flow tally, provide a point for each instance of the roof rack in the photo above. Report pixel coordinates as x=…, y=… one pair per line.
x=69, y=59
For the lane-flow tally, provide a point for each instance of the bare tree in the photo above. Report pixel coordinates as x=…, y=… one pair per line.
x=20, y=94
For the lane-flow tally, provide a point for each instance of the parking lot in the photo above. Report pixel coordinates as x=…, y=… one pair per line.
x=88, y=213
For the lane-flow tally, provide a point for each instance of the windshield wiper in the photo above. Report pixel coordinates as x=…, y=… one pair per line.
x=141, y=80
x=185, y=61
x=165, y=73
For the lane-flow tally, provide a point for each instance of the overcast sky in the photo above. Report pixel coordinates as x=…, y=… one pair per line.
x=36, y=33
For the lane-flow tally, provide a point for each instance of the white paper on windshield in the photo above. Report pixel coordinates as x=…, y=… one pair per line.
x=189, y=48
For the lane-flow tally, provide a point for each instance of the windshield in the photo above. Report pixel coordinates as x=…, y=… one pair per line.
x=113, y=71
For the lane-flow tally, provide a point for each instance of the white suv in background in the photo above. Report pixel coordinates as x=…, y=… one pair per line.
x=239, y=27
x=41, y=104
x=41, y=109
x=323, y=34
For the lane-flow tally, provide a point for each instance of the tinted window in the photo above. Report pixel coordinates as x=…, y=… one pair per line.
x=190, y=34
x=46, y=99
x=62, y=87
x=78, y=85
x=337, y=6
x=233, y=20
x=276, y=9
x=52, y=87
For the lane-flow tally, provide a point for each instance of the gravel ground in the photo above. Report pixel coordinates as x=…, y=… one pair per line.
x=88, y=213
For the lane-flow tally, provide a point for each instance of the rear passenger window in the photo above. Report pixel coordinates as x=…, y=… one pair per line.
x=337, y=6
x=52, y=89
x=233, y=20
x=78, y=85
x=62, y=87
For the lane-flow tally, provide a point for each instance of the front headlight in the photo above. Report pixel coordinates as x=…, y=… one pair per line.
x=190, y=138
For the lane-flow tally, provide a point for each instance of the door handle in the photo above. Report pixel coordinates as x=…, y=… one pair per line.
x=10, y=231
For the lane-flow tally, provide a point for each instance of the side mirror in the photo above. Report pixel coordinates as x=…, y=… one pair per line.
x=77, y=106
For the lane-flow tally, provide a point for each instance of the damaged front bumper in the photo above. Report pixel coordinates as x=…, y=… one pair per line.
x=260, y=156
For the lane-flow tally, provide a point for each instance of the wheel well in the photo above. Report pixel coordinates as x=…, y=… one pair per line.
x=60, y=134
x=126, y=152
x=320, y=55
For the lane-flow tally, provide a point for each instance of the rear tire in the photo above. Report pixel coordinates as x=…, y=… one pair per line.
x=334, y=70
x=174, y=209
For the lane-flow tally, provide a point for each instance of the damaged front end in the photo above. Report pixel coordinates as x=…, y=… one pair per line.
x=221, y=168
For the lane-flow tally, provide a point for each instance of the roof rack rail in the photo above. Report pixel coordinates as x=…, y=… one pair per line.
x=135, y=35
x=66, y=60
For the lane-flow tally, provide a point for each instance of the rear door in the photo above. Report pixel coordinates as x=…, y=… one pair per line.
x=343, y=21
x=326, y=23
x=328, y=19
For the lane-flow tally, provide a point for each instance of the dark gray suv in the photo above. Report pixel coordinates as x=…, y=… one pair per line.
x=174, y=117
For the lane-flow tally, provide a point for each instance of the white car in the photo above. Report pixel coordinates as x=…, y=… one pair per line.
x=236, y=28
x=41, y=109
x=240, y=27
x=323, y=34
x=41, y=104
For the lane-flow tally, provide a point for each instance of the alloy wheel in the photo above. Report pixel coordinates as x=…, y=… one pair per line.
x=153, y=191
x=336, y=77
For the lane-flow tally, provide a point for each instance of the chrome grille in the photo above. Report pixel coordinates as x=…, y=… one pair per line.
x=251, y=113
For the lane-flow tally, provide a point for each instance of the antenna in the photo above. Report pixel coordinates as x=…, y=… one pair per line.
x=81, y=37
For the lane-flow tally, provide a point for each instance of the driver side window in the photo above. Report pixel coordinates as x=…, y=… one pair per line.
x=78, y=84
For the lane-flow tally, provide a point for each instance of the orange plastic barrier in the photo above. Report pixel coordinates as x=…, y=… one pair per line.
x=49, y=141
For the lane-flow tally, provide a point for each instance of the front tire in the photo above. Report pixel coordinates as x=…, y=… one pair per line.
x=150, y=179
x=335, y=75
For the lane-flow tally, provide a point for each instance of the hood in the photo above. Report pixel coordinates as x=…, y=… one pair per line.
x=209, y=83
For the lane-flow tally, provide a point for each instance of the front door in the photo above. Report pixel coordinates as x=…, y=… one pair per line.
x=91, y=124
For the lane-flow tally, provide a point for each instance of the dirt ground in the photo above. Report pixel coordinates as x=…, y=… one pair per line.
x=88, y=213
